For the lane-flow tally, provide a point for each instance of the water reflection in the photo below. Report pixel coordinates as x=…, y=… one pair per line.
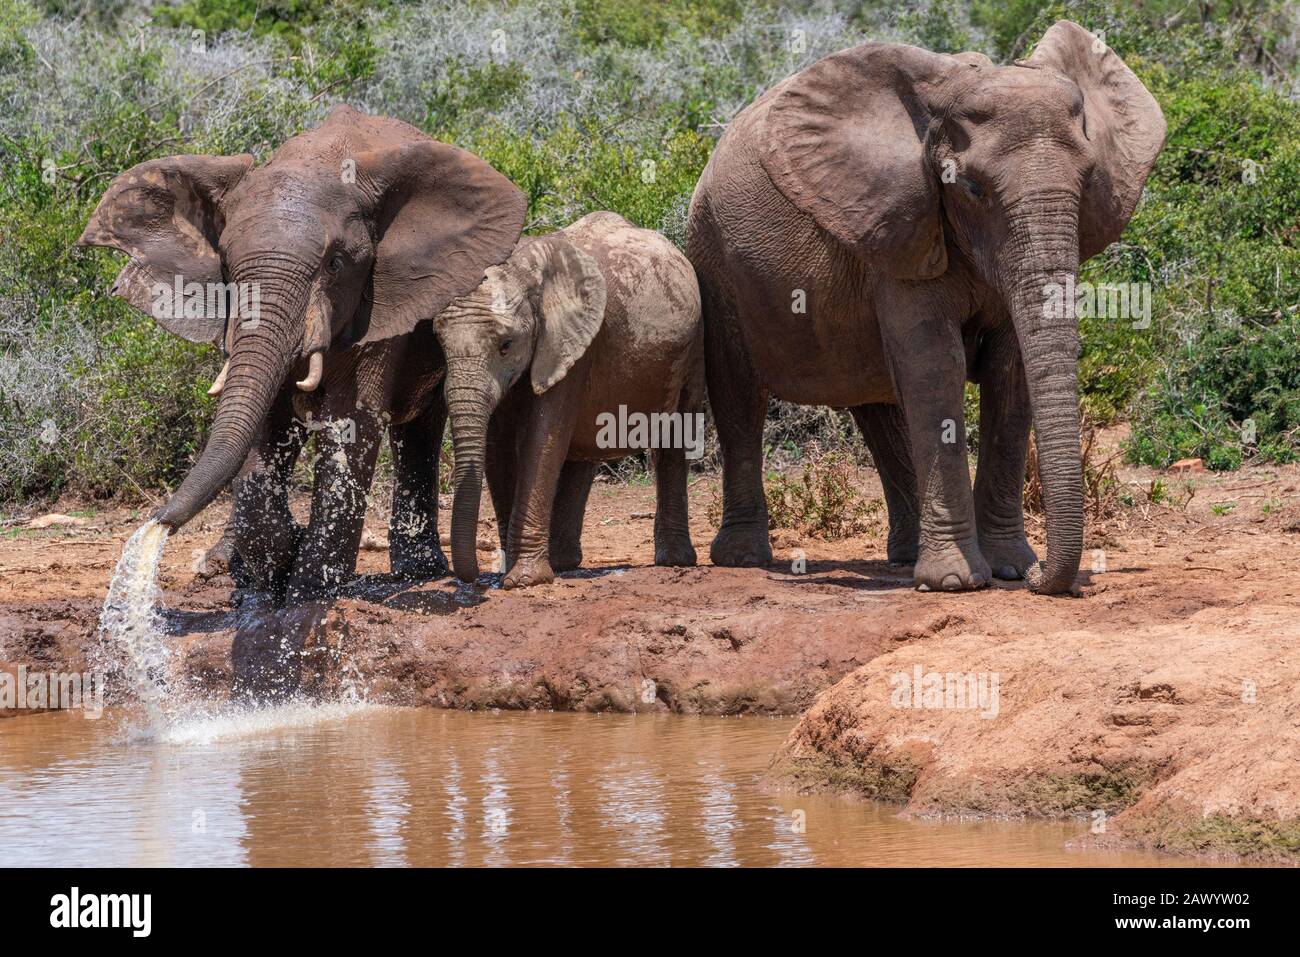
x=391, y=787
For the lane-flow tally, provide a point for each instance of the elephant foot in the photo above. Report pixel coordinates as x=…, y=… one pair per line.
x=951, y=567
x=566, y=556
x=528, y=572
x=1010, y=558
x=326, y=584
x=266, y=563
x=216, y=560
x=678, y=552
x=741, y=546
x=417, y=560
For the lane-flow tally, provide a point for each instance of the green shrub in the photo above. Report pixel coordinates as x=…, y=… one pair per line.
x=611, y=104
x=822, y=500
x=1231, y=394
x=1218, y=233
x=649, y=24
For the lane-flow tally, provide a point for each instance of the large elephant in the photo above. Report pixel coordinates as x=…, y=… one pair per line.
x=596, y=323
x=886, y=224
x=351, y=235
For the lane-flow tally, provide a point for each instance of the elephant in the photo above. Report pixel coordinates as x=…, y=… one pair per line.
x=596, y=320
x=885, y=225
x=351, y=237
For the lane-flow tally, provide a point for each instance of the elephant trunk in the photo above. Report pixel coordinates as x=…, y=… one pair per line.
x=1038, y=266
x=264, y=350
x=469, y=405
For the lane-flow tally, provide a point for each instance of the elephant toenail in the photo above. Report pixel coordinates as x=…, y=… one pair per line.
x=951, y=582
x=1008, y=572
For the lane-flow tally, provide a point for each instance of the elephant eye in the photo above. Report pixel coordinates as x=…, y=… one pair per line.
x=334, y=265
x=971, y=187
x=505, y=345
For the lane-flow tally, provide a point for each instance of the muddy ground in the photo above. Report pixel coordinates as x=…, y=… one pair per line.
x=1163, y=702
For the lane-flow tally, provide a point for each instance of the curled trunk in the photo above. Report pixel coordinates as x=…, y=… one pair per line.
x=1043, y=250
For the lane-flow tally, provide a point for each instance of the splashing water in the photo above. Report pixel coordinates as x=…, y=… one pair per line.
x=235, y=722
x=130, y=619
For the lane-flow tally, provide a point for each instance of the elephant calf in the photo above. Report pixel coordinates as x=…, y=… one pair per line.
x=593, y=324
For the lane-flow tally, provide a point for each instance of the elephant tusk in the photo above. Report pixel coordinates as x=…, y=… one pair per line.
x=314, y=372
x=219, y=382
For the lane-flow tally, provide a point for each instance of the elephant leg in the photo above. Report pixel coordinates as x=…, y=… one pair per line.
x=1005, y=417
x=413, y=547
x=346, y=448
x=543, y=450
x=267, y=537
x=567, y=515
x=672, y=517
x=739, y=402
x=222, y=556
x=928, y=365
x=885, y=432
x=502, y=456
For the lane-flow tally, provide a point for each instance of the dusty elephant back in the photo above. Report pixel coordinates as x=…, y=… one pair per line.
x=648, y=355
x=798, y=300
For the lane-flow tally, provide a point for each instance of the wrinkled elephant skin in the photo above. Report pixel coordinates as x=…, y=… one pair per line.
x=338, y=249
x=884, y=226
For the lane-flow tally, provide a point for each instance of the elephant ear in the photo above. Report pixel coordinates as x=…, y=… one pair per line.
x=442, y=217
x=1123, y=122
x=572, y=293
x=845, y=144
x=166, y=215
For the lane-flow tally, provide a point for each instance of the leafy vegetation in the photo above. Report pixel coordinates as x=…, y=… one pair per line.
x=822, y=499
x=594, y=104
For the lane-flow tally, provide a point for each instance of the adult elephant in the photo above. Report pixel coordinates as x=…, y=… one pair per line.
x=351, y=235
x=883, y=226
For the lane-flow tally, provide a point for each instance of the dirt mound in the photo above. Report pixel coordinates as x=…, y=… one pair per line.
x=1162, y=705
x=612, y=636
x=1182, y=736
x=706, y=641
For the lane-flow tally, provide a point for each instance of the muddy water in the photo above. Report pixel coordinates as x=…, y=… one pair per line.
x=360, y=785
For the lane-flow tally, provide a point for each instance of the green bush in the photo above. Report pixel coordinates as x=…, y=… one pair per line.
x=822, y=500
x=649, y=24
x=1232, y=393
x=1218, y=234
x=610, y=104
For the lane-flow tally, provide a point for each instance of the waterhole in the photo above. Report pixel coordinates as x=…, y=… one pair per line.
x=356, y=784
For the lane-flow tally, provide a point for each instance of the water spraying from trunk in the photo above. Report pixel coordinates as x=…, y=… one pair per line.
x=130, y=620
x=131, y=623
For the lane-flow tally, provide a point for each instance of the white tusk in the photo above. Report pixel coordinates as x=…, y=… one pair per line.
x=314, y=370
x=219, y=382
